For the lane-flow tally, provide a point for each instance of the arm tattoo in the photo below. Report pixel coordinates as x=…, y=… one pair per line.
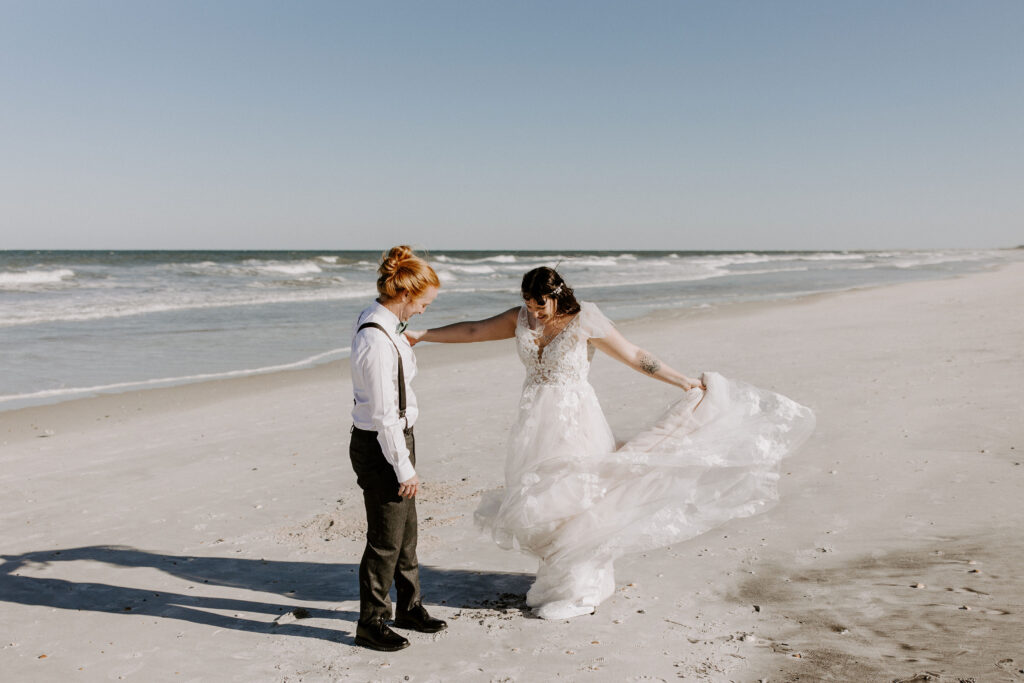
x=649, y=363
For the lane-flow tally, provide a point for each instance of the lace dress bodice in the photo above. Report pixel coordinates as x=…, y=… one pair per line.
x=565, y=360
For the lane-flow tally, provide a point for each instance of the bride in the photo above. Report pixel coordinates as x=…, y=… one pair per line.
x=576, y=502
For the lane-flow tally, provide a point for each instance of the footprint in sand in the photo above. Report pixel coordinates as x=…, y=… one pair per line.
x=1010, y=667
x=921, y=677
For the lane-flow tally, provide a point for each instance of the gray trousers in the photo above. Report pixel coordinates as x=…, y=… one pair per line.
x=390, y=554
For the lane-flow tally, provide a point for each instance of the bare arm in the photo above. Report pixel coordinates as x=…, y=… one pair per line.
x=625, y=351
x=501, y=326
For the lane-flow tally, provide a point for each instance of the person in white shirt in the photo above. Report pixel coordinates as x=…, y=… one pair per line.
x=383, y=450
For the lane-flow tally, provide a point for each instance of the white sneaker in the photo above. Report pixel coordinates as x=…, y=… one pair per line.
x=562, y=609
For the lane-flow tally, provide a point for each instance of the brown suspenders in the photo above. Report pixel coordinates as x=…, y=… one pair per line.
x=401, y=370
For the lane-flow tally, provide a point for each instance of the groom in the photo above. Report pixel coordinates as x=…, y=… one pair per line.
x=383, y=452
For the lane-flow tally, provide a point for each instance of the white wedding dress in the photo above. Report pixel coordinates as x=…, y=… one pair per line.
x=576, y=502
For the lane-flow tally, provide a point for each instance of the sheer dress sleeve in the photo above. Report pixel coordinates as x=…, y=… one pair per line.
x=593, y=322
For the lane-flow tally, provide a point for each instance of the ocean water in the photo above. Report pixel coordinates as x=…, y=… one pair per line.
x=77, y=323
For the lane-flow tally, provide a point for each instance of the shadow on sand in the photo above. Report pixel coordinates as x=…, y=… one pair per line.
x=292, y=581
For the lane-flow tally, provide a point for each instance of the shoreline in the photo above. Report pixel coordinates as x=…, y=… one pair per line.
x=170, y=532
x=674, y=314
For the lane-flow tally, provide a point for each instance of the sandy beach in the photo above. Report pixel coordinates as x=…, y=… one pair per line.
x=170, y=534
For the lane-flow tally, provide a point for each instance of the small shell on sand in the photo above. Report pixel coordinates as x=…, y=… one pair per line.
x=917, y=585
x=292, y=617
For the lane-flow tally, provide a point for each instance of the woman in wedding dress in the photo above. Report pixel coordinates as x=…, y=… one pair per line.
x=576, y=502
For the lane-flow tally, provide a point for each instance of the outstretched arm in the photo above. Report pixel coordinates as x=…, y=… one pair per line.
x=625, y=351
x=501, y=326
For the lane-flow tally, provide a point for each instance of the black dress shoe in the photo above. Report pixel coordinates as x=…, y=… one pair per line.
x=377, y=636
x=417, y=619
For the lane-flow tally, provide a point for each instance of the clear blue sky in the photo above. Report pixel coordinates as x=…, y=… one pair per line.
x=512, y=125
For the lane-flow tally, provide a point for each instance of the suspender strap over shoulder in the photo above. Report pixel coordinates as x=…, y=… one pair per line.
x=401, y=369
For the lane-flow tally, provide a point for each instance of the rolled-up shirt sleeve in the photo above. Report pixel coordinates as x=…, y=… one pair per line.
x=378, y=367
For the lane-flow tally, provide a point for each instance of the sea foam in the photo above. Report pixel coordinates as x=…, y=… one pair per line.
x=32, y=278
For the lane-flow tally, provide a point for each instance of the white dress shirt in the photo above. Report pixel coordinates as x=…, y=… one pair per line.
x=375, y=386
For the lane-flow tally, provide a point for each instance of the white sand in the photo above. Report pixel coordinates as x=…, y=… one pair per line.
x=157, y=535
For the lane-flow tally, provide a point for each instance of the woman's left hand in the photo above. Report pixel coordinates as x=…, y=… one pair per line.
x=693, y=384
x=414, y=336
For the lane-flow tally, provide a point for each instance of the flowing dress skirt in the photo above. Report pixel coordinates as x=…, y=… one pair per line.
x=576, y=502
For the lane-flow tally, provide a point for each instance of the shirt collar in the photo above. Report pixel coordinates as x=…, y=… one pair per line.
x=390, y=320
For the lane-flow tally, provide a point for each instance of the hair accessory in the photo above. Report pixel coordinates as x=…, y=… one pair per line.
x=556, y=291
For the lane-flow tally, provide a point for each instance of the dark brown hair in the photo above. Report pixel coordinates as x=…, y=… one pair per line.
x=403, y=271
x=545, y=283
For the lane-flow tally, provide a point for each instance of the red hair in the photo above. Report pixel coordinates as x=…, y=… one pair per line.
x=403, y=271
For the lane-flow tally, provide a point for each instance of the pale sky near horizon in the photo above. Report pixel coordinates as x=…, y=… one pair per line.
x=511, y=125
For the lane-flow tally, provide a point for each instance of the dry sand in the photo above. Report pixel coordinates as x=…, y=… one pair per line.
x=167, y=535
